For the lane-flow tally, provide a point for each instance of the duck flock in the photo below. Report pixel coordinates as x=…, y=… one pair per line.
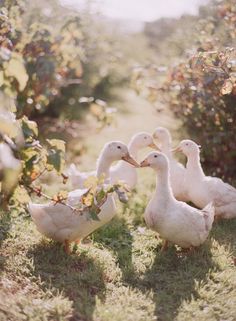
x=167, y=212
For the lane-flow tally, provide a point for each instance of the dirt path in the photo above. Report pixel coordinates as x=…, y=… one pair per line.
x=134, y=114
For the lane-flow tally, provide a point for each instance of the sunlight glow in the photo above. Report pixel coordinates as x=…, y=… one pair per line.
x=142, y=10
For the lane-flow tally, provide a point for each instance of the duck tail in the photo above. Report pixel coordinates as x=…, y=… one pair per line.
x=72, y=169
x=209, y=215
x=75, y=176
x=35, y=210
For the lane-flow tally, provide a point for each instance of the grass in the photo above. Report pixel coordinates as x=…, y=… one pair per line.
x=120, y=275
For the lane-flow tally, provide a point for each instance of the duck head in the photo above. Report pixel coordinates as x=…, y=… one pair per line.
x=142, y=140
x=156, y=160
x=117, y=150
x=162, y=135
x=187, y=147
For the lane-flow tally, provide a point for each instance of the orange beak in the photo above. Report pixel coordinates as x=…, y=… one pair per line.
x=127, y=158
x=154, y=146
x=145, y=163
x=177, y=149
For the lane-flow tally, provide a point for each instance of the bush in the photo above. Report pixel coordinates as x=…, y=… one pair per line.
x=51, y=56
x=36, y=62
x=203, y=95
x=202, y=90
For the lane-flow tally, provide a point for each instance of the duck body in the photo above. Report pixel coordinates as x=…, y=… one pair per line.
x=122, y=171
x=175, y=220
x=78, y=178
x=59, y=222
x=178, y=222
x=203, y=189
x=125, y=173
x=212, y=189
x=177, y=179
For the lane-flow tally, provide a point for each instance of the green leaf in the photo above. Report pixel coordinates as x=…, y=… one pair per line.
x=55, y=158
x=100, y=195
x=54, y=161
x=94, y=216
x=57, y=144
x=15, y=68
x=29, y=128
x=29, y=164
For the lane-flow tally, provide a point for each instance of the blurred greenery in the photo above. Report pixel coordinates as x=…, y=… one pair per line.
x=198, y=82
x=54, y=62
x=58, y=65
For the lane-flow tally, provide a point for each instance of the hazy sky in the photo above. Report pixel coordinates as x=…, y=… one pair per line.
x=143, y=10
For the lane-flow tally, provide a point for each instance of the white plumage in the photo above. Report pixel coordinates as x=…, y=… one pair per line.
x=177, y=170
x=203, y=189
x=174, y=220
x=122, y=171
x=61, y=223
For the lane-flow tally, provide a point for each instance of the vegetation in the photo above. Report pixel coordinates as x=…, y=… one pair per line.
x=201, y=88
x=39, y=64
x=58, y=65
x=120, y=274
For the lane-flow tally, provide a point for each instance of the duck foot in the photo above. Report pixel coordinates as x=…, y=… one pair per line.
x=217, y=219
x=87, y=241
x=187, y=251
x=78, y=241
x=67, y=247
x=165, y=244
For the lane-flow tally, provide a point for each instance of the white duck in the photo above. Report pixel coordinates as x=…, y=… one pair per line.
x=177, y=170
x=122, y=171
x=61, y=223
x=203, y=189
x=174, y=220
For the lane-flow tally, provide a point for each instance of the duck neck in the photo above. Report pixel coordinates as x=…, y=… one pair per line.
x=194, y=165
x=163, y=185
x=166, y=148
x=103, y=166
x=133, y=149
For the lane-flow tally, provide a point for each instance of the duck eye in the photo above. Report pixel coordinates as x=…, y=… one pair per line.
x=145, y=137
x=155, y=156
x=118, y=147
x=186, y=144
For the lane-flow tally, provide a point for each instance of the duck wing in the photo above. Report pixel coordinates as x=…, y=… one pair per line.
x=74, y=197
x=222, y=193
x=54, y=221
x=78, y=178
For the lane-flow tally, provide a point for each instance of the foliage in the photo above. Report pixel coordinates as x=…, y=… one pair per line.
x=202, y=90
x=24, y=158
x=36, y=62
x=34, y=67
x=51, y=56
x=169, y=37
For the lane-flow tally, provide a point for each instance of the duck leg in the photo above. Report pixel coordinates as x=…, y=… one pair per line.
x=165, y=244
x=78, y=241
x=188, y=251
x=217, y=218
x=67, y=247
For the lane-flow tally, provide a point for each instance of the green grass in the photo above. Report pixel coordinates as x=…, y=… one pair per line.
x=121, y=274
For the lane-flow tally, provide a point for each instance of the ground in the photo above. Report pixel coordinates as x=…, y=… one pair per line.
x=120, y=274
